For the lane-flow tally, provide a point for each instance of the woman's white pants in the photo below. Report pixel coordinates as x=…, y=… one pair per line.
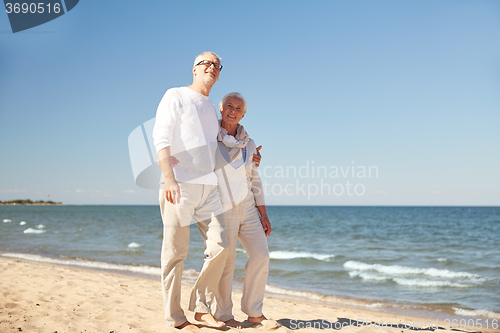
x=243, y=223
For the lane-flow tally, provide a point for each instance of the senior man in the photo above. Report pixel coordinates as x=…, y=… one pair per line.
x=186, y=128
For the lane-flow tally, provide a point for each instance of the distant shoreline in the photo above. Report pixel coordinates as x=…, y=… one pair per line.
x=29, y=202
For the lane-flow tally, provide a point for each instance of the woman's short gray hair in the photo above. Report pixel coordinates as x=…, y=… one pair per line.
x=237, y=95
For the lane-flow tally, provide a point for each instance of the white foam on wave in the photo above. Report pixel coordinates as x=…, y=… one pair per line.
x=368, y=276
x=375, y=305
x=402, y=270
x=40, y=226
x=294, y=293
x=7, y=220
x=413, y=277
x=153, y=271
x=311, y=296
x=429, y=283
x=442, y=259
x=22, y=223
x=287, y=255
x=134, y=245
x=34, y=231
x=477, y=313
x=190, y=275
x=407, y=282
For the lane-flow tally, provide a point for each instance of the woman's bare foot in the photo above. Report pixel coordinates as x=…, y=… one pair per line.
x=267, y=324
x=256, y=320
x=187, y=326
x=208, y=319
x=234, y=323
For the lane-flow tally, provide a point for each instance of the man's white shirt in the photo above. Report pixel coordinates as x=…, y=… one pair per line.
x=187, y=122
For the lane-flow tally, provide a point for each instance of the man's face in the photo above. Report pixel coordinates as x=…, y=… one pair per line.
x=232, y=110
x=207, y=72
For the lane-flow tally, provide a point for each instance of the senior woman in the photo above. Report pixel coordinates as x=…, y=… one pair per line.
x=245, y=215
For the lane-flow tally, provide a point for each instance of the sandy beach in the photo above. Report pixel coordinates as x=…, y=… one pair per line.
x=46, y=298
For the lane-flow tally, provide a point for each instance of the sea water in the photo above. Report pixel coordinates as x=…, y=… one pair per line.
x=436, y=258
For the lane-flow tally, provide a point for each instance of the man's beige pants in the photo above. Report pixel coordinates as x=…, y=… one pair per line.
x=243, y=223
x=202, y=203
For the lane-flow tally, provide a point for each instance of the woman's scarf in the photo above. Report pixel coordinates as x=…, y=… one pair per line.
x=234, y=144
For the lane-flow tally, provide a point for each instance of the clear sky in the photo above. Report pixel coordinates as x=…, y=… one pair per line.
x=409, y=90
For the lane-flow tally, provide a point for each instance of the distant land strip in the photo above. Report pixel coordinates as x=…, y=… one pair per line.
x=29, y=202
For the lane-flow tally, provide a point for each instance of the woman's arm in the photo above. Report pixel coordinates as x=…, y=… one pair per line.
x=266, y=224
x=258, y=193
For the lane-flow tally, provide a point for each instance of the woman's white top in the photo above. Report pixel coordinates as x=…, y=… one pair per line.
x=239, y=178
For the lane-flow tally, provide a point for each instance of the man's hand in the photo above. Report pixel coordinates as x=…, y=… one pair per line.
x=172, y=189
x=256, y=157
x=266, y=224
x=173, y=192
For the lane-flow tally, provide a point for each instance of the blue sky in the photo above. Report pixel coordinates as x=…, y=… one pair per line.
x=408, y=88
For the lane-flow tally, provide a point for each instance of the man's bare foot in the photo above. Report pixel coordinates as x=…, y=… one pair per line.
x=256, y=320
x=234, y=323
x=187, y=326
x=208, y=319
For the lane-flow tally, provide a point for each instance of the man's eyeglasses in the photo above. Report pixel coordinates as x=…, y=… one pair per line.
x=209, y=63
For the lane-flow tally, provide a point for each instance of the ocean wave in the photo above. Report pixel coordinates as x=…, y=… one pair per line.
x=34, y=231
x=7, y=220
x=407, y=282
x=477, y=313
x=190, y=275
x=153, y=271
x=134, y=245
x=288, y=255
x=375, y=305
x=22, y=223
x=294, y=293
x=311, y=296
x=403, y=270
x=367, y=276
x=413, y=277
x=429, y=283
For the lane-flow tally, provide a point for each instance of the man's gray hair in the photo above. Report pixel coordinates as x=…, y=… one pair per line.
x=200, y=57
x=237, y=95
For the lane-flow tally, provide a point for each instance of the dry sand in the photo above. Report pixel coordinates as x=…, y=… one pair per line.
x=38, y=297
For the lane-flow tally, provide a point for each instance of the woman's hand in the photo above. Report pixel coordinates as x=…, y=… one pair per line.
x=256, y=157
x=266, y=224
x=173, y=161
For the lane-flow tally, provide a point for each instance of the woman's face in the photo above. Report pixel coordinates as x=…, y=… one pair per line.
x=233, y=110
